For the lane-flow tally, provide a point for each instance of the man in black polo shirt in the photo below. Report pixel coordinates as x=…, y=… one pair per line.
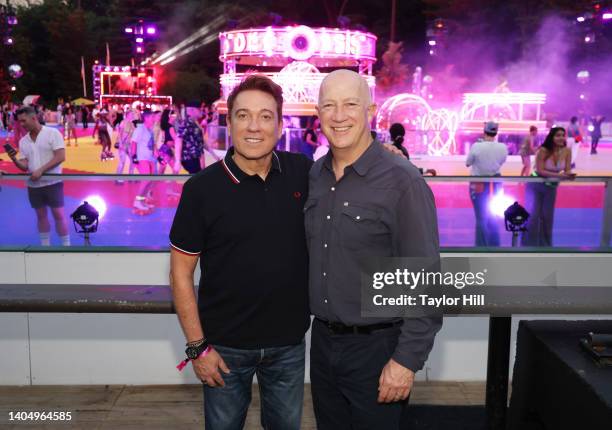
x=364, y=202
x=243, y=215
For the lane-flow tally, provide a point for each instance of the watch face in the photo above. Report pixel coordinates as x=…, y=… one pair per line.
x=192, y=352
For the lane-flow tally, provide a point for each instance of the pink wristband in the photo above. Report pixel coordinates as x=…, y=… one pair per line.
x=183, y=363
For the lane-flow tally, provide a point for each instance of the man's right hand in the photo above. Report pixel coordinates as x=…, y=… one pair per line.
x=207, y=369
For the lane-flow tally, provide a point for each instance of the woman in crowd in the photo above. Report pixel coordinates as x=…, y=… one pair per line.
x=397, y=133
x=167, y=149
x=105, y=131
x=70, y=126
x=553, y=160
x=311, y=138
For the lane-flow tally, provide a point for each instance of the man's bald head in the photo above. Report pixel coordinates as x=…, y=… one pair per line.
x=346, y=78
x=345, y=109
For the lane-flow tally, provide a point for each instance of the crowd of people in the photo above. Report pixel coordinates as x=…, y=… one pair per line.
x=171, y=138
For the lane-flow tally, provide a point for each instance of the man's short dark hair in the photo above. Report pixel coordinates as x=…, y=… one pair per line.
x=259, y=83
x=26, y=110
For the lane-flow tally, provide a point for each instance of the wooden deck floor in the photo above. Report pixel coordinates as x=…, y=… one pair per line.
x=172, y=406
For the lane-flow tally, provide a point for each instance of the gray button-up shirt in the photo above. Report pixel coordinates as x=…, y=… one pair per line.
x=380, y=207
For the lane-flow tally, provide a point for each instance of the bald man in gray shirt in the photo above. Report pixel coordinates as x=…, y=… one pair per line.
x=364, y=202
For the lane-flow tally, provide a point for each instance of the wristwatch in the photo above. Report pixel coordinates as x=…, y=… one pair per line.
x=193, y=351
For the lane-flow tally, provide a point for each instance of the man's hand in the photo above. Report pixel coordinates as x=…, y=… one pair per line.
x=36, y=174
x=207, y=369
x=395, y=382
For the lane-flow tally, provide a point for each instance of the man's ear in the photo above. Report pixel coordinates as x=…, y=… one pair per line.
x=279, y=134
x=372, y=112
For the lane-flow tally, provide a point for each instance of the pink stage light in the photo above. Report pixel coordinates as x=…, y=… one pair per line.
x=98, y=203
x=139, y=40
x=151, y=30
x=607, y=15
x=129, y=30
x=580, y=19
x=432, y=43
x=139, y=50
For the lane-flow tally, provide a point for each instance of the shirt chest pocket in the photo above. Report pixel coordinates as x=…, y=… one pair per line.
x=361, y=228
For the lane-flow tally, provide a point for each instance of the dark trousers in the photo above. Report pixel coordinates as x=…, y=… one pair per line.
x=540, y=199
x=594, y=143
x=481, y=193
x=280, y=373
x=344, y=374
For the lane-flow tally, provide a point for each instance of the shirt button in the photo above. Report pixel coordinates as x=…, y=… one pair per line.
x=328, y=217
x=357, y=217
x=325, y=300
x=325, y=245
x=345, y=203
x=333, y=188
x=324, y=273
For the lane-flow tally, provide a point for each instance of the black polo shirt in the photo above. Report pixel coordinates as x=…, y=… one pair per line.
x=253, y=292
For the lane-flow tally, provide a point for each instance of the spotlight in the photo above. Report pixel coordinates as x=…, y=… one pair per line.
x=151, y=30
x=498, y=203
x=607, y=16
x=139, y=40
x=85, y=220
x=431, y=52
x=580, y=19
x=581, y=96
x=13, y=88
x=139, y=50
x=11, y=20
x=8, y=40
x=516, y=218
x=129, y=30
x=432, y=43
x=589, y=38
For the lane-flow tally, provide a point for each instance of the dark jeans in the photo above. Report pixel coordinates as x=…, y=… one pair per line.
x=540, y=201
x=344, y=374
x=594, y=143
x=481, y=193
x=280, y=373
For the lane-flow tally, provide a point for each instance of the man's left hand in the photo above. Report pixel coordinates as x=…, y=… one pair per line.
x=395, y=382
x=36, y=174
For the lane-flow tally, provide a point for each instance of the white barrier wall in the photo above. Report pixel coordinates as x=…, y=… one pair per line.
x=141, y=349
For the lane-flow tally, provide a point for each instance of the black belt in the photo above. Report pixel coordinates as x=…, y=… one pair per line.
x=339, y=328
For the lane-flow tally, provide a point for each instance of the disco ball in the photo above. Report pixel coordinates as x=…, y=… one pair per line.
x=15, y=71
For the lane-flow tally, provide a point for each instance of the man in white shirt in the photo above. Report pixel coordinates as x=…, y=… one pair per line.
x=485, y=158
x=42, y=151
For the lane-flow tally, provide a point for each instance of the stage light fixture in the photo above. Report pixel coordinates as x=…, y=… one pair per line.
x=139, y=40
x=129, y=30
x=85, y=219
x=8, y=40
x=516, y=217
x=151, y=30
